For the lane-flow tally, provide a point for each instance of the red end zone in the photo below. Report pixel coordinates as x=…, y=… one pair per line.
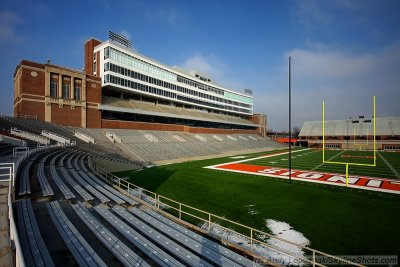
x=359, y=182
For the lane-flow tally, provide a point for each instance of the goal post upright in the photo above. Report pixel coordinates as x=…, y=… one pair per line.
x=374, y=130
x=348, y=163
x=323, y=131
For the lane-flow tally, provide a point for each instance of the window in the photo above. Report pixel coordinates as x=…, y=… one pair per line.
x=94, y=56
x=77, y=92
x=53, y=88
x=65, y=91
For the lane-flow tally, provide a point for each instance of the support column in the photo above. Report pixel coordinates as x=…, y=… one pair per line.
x=83, y=90
x=84, y=103
x=83, y=115
x=47, y=105
x=71, y=88
x=60, y=83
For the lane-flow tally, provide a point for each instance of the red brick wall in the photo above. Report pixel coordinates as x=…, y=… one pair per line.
x=93, y=118
x=30, y=81
x=259, y=120
x=93, y=91
x=219, y=131
x=89, y=47
x=32, y=84
x=17, y=106
x=32, y=108
x=32, y=64
x=66, y=115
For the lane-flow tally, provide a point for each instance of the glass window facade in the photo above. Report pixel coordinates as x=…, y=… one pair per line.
x=131, y=61
x=148, y=78
x=54, y=88
x=65, y=91
x=77, y=92
x=138, y=76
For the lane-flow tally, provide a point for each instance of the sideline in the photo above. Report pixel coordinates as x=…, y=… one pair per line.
x=377, y=184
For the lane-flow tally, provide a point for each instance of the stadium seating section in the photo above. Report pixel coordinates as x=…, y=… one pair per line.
x=93, y=223
x=389, y=126
x=58, y=193
x=143, y=147
x=172, y=111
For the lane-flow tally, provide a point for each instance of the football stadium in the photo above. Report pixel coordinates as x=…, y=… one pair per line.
x=132, y=162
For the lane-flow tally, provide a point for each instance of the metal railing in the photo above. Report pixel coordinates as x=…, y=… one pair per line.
x=27, y=116
x=14, y=239
x=188, y=214
x=12, y=174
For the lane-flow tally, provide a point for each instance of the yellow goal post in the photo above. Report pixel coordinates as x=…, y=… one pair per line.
x=348, y=163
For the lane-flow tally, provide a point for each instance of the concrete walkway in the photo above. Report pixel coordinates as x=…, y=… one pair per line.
x=5, y=249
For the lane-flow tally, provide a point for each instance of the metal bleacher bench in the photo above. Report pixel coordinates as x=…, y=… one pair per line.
x=88, y=187
x=121, y=251
x=161, y=240
x=101, y=189
x=82, y=192
x=212, y=250
x=44, y=184
x=24, y=182
x=61, y=185
x=79, y=247
x=153, y=251
x=33, y=247
x=112, y=190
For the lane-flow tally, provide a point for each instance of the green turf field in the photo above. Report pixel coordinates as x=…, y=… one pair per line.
x=337, y=220
x=311, y=159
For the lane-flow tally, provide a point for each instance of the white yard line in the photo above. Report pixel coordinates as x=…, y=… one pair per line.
x=251, y=159
x=388, y=164
x=322, y=163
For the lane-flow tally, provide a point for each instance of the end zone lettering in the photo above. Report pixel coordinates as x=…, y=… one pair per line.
x=359, y=182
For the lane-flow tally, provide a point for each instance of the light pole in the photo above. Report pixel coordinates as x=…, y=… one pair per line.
x=290, y=125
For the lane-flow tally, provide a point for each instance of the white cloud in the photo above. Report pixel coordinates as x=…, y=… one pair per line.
x=346, y=81
x=328, y=64
x=211, y=67
x=169, y=15
x=126, y=34
x=334, y=14
x=311, y=13
x=8, y=22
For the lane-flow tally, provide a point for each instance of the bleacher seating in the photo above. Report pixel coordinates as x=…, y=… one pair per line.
x=139, y=147
x=152, y=250
x=79, y=247
x=34, y=249
x=395, y=126
x=388, y=126
x=121, y=251
x=172, y=111
x=6, y=149
x=153, y=239
x=154, y=146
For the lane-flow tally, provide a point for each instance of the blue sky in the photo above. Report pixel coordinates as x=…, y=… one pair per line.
x=343, y=52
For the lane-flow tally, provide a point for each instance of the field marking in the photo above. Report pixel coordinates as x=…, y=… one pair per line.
x=262, y=157
x=390, y=166
x=384, y=185
x=322, y=163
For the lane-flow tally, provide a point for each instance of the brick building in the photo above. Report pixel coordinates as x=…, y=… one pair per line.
x=120, y=88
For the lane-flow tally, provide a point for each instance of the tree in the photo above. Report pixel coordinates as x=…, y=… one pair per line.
x=296, y=131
